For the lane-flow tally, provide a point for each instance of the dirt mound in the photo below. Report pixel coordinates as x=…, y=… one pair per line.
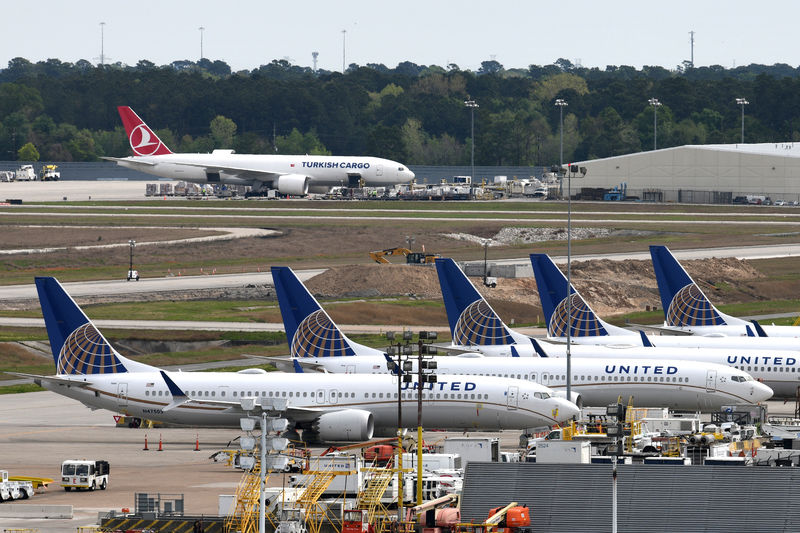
x=609, y=287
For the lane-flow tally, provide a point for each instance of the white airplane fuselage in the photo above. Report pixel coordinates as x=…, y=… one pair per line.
x=458, y=402
x=323, y=171
x=681, y=385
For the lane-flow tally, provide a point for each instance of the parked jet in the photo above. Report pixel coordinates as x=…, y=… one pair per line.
x=680, y=385
x=312, y=333
x=325, y=407
x=588, y=328
x=688, y=309
x=289, y=174
x=769, y=360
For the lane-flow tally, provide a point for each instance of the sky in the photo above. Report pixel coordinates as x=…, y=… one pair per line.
x=249, y=33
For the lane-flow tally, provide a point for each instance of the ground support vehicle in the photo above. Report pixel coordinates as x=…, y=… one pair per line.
x=84, y=474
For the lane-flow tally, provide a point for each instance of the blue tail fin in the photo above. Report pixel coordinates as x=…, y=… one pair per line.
x=309, y=329
x=683, y=302
x=77, y=346
x=552, y=287
x=472, y=320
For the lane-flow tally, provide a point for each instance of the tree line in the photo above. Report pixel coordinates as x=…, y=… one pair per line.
x=57, y=111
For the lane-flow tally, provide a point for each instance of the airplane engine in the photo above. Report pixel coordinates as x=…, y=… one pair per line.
x=348, y=425
x=575, y=397
x=294, y=184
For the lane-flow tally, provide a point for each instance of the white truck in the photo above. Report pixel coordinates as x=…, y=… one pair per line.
x=84, y=474
x=25, y=173
x=14, y=490
x=49, y=173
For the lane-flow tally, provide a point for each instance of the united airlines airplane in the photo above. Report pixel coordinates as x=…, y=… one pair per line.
x=317, y=344
x=588, y=328
x=688, y=309
x=325, y=407
x=289, y=174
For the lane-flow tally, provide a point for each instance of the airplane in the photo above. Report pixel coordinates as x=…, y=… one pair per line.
x=679, y=385
x=476, y=327
x=588, y=328
x=288, y=174
x=773, y=361
x=324, y=407
x=317, y=344
x=687, y=309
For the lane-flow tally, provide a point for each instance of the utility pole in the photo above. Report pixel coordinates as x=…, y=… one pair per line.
x=344, y=36
x=202, y=29
x=691, y=41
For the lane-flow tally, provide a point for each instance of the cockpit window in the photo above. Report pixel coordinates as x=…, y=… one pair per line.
x=401, y=169
x=741, y=379
x=541, y=395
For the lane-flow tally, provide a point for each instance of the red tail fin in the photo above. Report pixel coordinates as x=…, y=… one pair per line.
x=143, y=140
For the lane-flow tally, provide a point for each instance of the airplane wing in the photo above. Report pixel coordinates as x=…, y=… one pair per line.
x=56, y=380
x=658, y=329
x=133, y=160
x=239, y=172
x=180, y=398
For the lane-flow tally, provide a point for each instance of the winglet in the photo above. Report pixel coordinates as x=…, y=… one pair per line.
x=759, y=329
x=646, y=340
x=394, y=368
x=538, y=348
x=298, y=369
x=749, y=331
x=178, y=396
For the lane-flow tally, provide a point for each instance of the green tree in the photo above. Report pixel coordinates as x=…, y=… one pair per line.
x=28, y=152
x=223, y=131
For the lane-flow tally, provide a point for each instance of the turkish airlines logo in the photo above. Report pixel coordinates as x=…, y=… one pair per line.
x=143, y=141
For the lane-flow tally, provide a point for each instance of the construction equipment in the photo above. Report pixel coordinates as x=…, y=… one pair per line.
x=509, y=519
x=49, y=173
x=412, y=258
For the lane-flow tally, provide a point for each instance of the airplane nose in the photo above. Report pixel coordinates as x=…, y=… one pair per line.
x=761, y=392
x=564, y=409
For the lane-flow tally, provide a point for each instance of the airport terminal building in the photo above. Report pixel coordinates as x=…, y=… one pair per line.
x=714, y=173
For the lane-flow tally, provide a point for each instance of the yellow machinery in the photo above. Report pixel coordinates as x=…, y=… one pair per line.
x=412, y=258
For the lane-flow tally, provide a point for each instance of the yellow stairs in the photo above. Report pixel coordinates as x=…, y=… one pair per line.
x=244, y=518
x=370, y=498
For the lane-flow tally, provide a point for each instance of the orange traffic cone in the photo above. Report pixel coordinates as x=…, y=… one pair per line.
x=145, y=443
x=160, y=447
x=197, y=443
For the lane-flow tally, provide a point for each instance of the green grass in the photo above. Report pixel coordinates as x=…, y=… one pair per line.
x=16, y=389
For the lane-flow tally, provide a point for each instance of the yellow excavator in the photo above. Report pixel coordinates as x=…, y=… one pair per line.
x=412, y=258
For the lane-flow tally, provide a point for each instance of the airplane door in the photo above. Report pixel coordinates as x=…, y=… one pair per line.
x=512, y=398
x=122, y=395
x=379, y=170
x=711, y=381
x=533, y=377
x=545, y=379
x=320, y=396
x=334, y=396
x=350, y=369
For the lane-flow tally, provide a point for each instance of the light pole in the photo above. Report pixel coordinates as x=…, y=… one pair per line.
x=202, y=29
x=561, y=103
x=742, y=102
x=402, y=368
x=425, y=375
x=656, y=104
x=344, y=36
x=102, y=44
x=132, y=244
x=472, y=104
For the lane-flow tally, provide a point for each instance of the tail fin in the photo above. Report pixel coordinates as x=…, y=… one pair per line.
x=472, y=320
x=77, y=346
x=142, y=139
x=683, y=302
x=309, y=329
x=552, y=285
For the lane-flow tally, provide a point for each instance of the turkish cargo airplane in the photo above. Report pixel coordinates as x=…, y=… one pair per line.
x=325, y=407
x=288, y=174
x=317, y=344
x=687, y=309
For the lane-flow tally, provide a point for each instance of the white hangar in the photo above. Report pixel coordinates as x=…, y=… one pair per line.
x=714, y=173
